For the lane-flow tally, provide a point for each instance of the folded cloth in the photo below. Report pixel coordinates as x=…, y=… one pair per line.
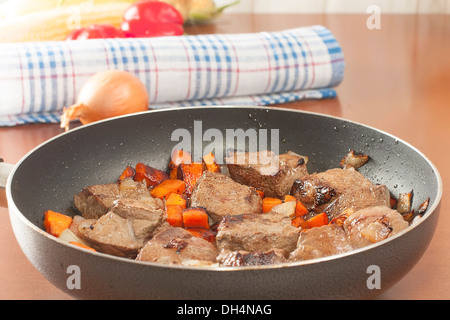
x=38, y=79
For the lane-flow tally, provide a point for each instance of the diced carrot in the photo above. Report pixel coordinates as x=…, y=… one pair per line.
x=176, y=199
x=178, y=157
x=175, y=203
x=150, y=175
x=205, y=234
x=82, y=246
x=195, y=217
x=190, y=173
x=299, y=222
x=269, y=203
x=300, y=209
x=167, y=187
x=129, y=172
x=288, y=197
x=210, y=162
x=175, y=215
x=318, y=220
x=55, y=223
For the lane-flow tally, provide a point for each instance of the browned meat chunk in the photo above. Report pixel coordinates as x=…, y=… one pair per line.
x=270, y=173
x=321, y=242
x=319, y=189
x=124, y=229
x=256, y=232
x=373, y=224
x=145, y=219
x=221, y=196
x=176, y=246
x=245, y=258
x=95, y=201
x=110, y=234
x=358, y=199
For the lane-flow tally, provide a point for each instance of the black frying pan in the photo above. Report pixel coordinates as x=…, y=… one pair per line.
x=49, y=176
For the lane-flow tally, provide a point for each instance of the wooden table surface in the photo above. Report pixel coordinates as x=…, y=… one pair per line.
x=397, y=79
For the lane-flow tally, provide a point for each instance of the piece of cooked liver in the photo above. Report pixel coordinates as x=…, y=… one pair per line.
x=96, y=200
x=373, y=224
x=359, y=198
x=124, y=230
x=319, y=189
x=244, y=258
x=176, y=246
x=144, y=217
x=321, y=242
x=221, y=196
x=273, y=174
x=256, y=232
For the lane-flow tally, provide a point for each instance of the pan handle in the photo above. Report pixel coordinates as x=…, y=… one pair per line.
x=5, y=170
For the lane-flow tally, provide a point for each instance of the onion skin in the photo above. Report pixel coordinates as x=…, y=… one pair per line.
x=107, y=94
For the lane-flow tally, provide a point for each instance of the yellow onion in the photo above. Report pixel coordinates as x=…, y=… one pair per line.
x=107, y=94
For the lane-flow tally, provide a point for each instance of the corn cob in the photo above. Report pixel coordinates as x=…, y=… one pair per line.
x=56, y=24
x=198, y=10
x=205, y=10
x=203, y=5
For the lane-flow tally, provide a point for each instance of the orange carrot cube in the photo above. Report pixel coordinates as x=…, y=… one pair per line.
x=195, y=217
x=318, y=220
x=129, y=172
x=82, y=246
x=166, y=187
x=269, y=203
x=150, y=175
x=175, y=215
x=209, y=161
x=176, y=199
x=178, y=157
x=190, y=173
x=55, y=223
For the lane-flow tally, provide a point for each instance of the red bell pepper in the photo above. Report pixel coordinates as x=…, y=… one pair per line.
x=149, y=18
x=96, y=31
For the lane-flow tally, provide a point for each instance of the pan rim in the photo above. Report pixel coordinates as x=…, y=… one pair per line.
x=13, y=209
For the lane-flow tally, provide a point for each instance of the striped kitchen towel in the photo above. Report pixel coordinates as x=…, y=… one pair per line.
x=38, y=79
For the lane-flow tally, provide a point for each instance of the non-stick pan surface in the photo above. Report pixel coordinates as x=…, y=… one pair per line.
x=49, y=176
